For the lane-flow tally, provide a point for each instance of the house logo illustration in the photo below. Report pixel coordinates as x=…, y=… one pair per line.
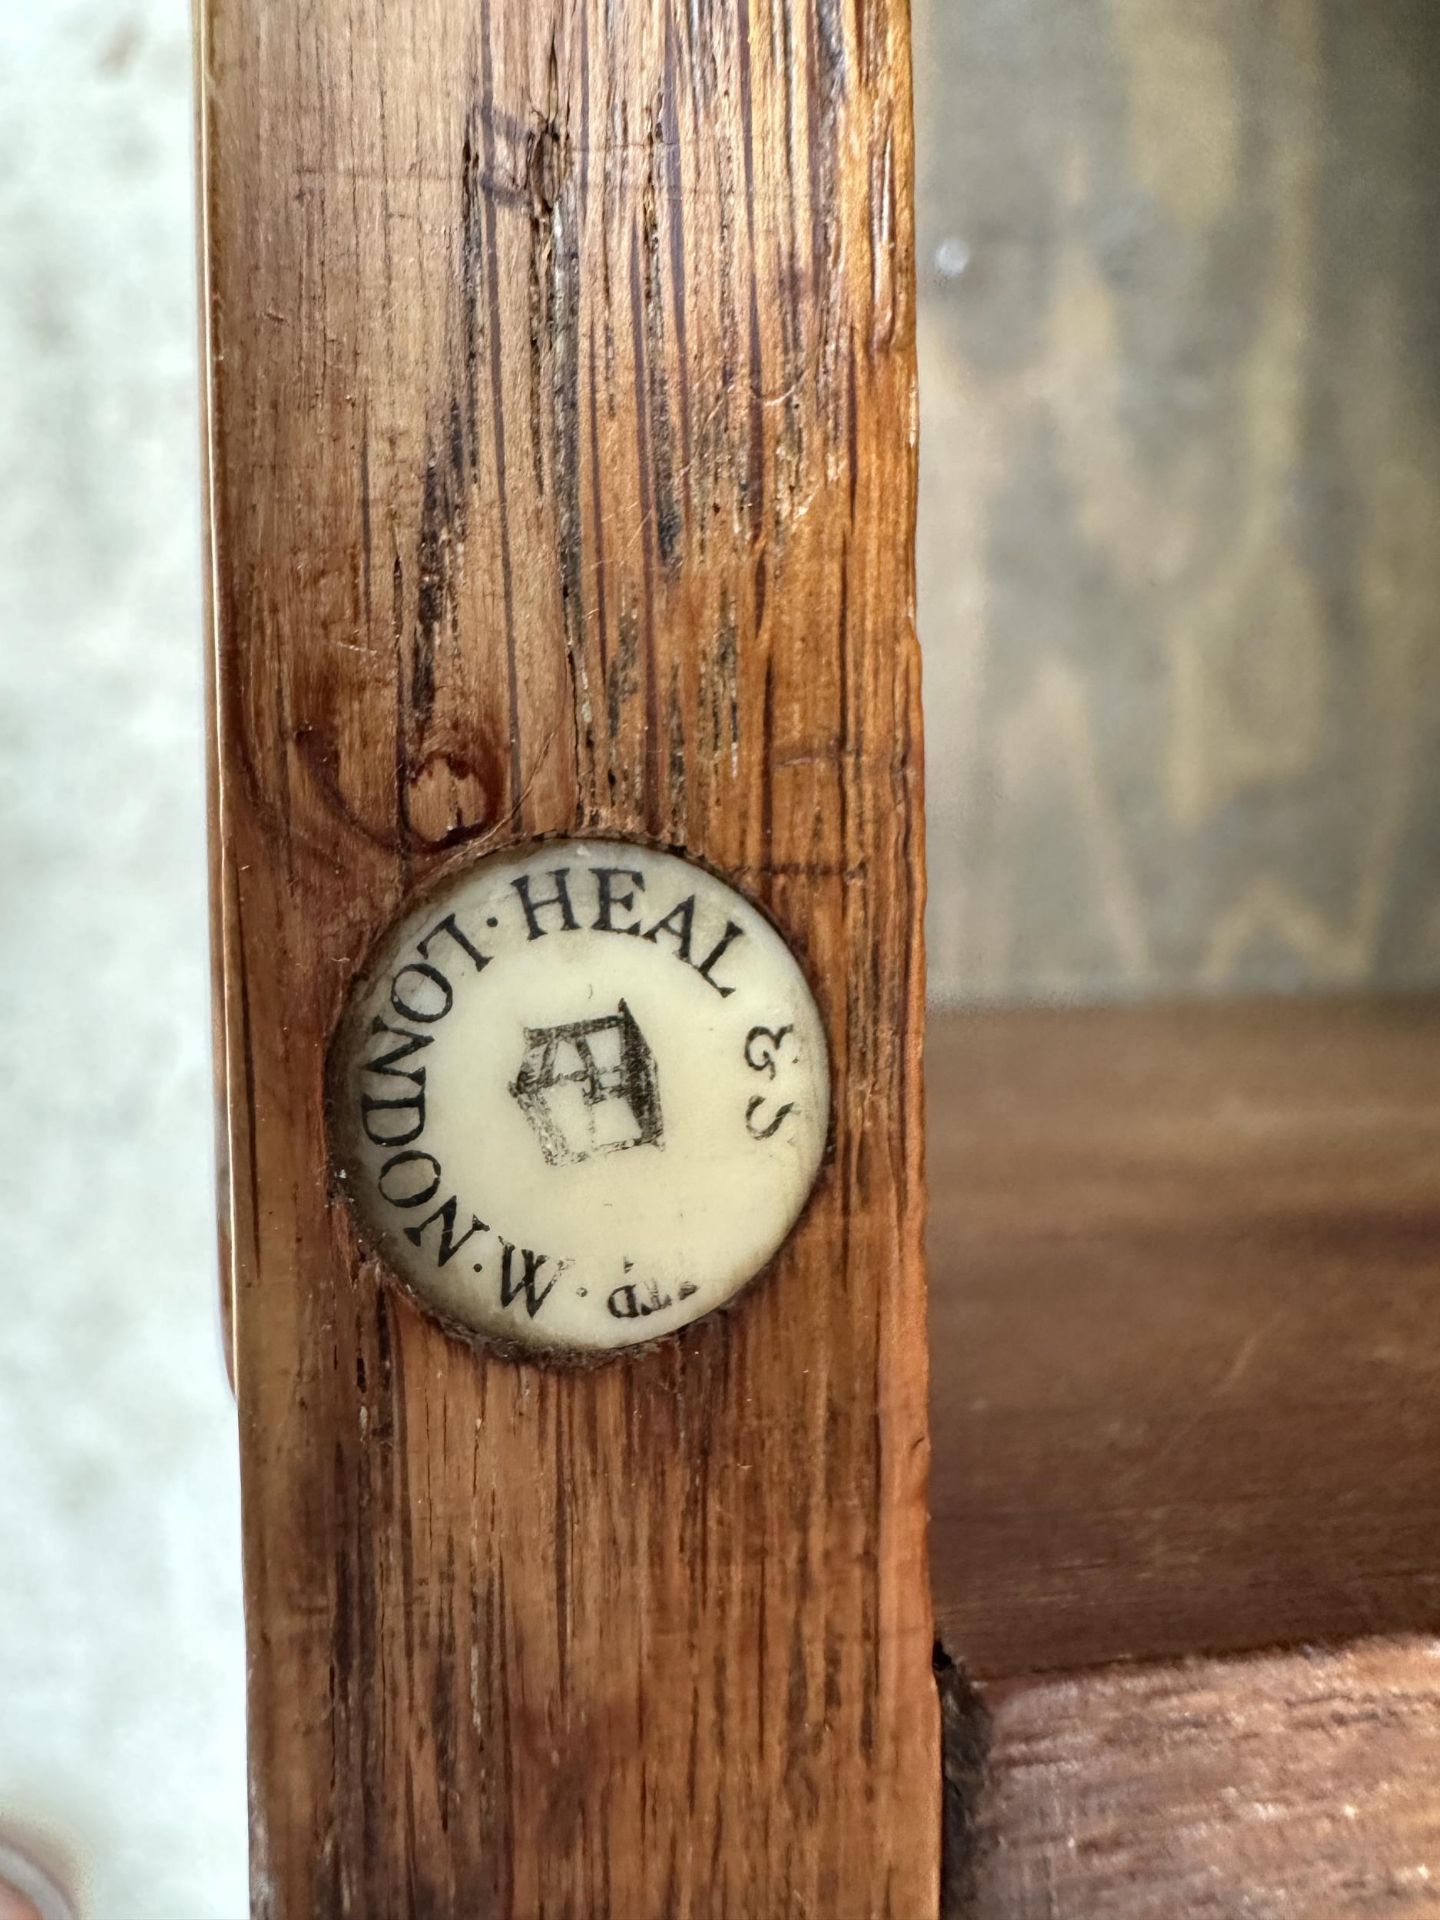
x=589, y=1088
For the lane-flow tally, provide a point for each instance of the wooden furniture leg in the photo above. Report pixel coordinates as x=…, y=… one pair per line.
x=561, y=415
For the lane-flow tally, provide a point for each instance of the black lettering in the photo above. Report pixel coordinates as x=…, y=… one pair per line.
x=409, y=1160
x=412, y=1103
x=625, y=1302
x=764, y=1133
x=605, y=878
x=560, y=898
x=511, y=1287
x=409, y=1043
x=449, y=1244
x=451, y=926
x=382, y=1133
x=731, y=934
x=433, y=978
x=763, y=1059
x=679, y=923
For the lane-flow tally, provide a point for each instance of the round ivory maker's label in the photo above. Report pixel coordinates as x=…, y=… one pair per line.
x=579, y=1096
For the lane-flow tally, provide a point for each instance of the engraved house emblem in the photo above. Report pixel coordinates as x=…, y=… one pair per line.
x=589, y=1087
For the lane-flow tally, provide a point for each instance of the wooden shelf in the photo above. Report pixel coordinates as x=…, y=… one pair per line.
x=1185, y=1329
x=1280, y=1786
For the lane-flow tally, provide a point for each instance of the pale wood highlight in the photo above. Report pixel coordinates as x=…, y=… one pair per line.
x=1297, y=1786
x=562, y=403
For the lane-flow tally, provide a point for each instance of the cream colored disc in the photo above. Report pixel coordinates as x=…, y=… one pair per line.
x=580, y=1096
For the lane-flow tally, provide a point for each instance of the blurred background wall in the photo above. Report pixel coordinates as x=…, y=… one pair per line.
x=1180, y=574
x=121, y=1660
x=1180, y=542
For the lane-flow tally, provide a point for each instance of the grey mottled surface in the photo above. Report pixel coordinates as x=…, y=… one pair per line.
x=1180, y=494
x=121, y=1663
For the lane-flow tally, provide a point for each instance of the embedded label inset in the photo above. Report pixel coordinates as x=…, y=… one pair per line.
x=580, y=1096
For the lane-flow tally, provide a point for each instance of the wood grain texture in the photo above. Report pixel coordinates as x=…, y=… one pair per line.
x=561, y=412
x=1293, y=1787
x=1186, y=1358
x=1179, y=577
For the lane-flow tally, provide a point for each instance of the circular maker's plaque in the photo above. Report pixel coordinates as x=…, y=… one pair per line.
x=579, y=1096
